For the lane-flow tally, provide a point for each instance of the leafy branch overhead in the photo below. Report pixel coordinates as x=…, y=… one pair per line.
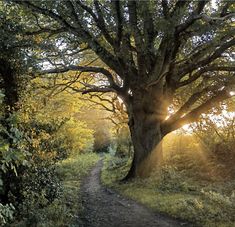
x=143, y=43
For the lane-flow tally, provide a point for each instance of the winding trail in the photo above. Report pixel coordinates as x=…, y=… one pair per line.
x=105, y=208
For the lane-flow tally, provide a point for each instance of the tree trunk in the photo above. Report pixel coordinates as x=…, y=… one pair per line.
x=146, y=110
x=8, y=82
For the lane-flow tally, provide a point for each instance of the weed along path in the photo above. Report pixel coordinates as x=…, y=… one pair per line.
x=105, y=208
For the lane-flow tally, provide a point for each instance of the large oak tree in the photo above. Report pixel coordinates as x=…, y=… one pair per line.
x=150, y=51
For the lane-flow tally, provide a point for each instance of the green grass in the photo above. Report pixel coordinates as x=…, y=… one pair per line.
x=66, y=210
x=174, y=193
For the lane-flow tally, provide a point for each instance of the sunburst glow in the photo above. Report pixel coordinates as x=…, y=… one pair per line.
x=188, y=128
x=232, y=93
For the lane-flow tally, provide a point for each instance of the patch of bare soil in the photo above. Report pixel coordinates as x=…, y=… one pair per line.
x=105, y=208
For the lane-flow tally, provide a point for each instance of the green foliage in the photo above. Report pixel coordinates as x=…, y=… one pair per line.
x=176, y=192
x=34, y=136
x=77, y=137
x=1, y=96
x=30, y=165
x=114, y=168
x=39, y=182
x=13, y=156
x=123, y=143
x=169, y=179
x=33, y=140
x=6, y=213
x=102, y=137
x=10, y=159
x=13, y=46
x=63, y=111
x=216, y=132
x=65, y=210
x=43, y=141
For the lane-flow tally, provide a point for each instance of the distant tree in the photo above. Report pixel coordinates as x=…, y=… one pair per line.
x=151, y=51
x=110, y=117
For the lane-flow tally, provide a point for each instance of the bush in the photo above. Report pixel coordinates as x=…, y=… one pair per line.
x=40, y=187
x=29, y=180
x=169, y=179
x=123, y=141
x=67, y=208
x=6, y=213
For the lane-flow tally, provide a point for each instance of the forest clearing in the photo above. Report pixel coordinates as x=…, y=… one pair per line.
x=117, y=113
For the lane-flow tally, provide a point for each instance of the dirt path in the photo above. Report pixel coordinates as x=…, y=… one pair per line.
x=105, y=208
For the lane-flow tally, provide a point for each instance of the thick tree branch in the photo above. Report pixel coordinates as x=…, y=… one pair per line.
x=81, y=32
x=195, y=114
x=46, y=30
x=160, y=66
x=94, y=89
x=133, y=20
x=200, y=72
x=165, y=8
x=178, y=5
x=194, y=63
x=224, y=10
x=84, y=69
x=149, y=35
x=118, y=20
x=101, y=23
x=194, y=16
x=98, y=20
x=46, y=12
x=192, y=100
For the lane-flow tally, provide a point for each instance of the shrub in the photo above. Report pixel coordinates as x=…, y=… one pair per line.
x=29, y=180
x=170, y=179
x=40, y=187
x=6, y=213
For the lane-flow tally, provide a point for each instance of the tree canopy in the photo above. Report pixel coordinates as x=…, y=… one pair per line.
x=145, y=51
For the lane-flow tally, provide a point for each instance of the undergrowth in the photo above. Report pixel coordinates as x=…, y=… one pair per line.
x=64, y=211
x=175, y=193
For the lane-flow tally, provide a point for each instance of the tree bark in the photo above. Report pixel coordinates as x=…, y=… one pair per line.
x=8, y=82
x=147, y=109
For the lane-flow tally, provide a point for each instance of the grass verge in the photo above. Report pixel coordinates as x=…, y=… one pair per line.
x=172, y=192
